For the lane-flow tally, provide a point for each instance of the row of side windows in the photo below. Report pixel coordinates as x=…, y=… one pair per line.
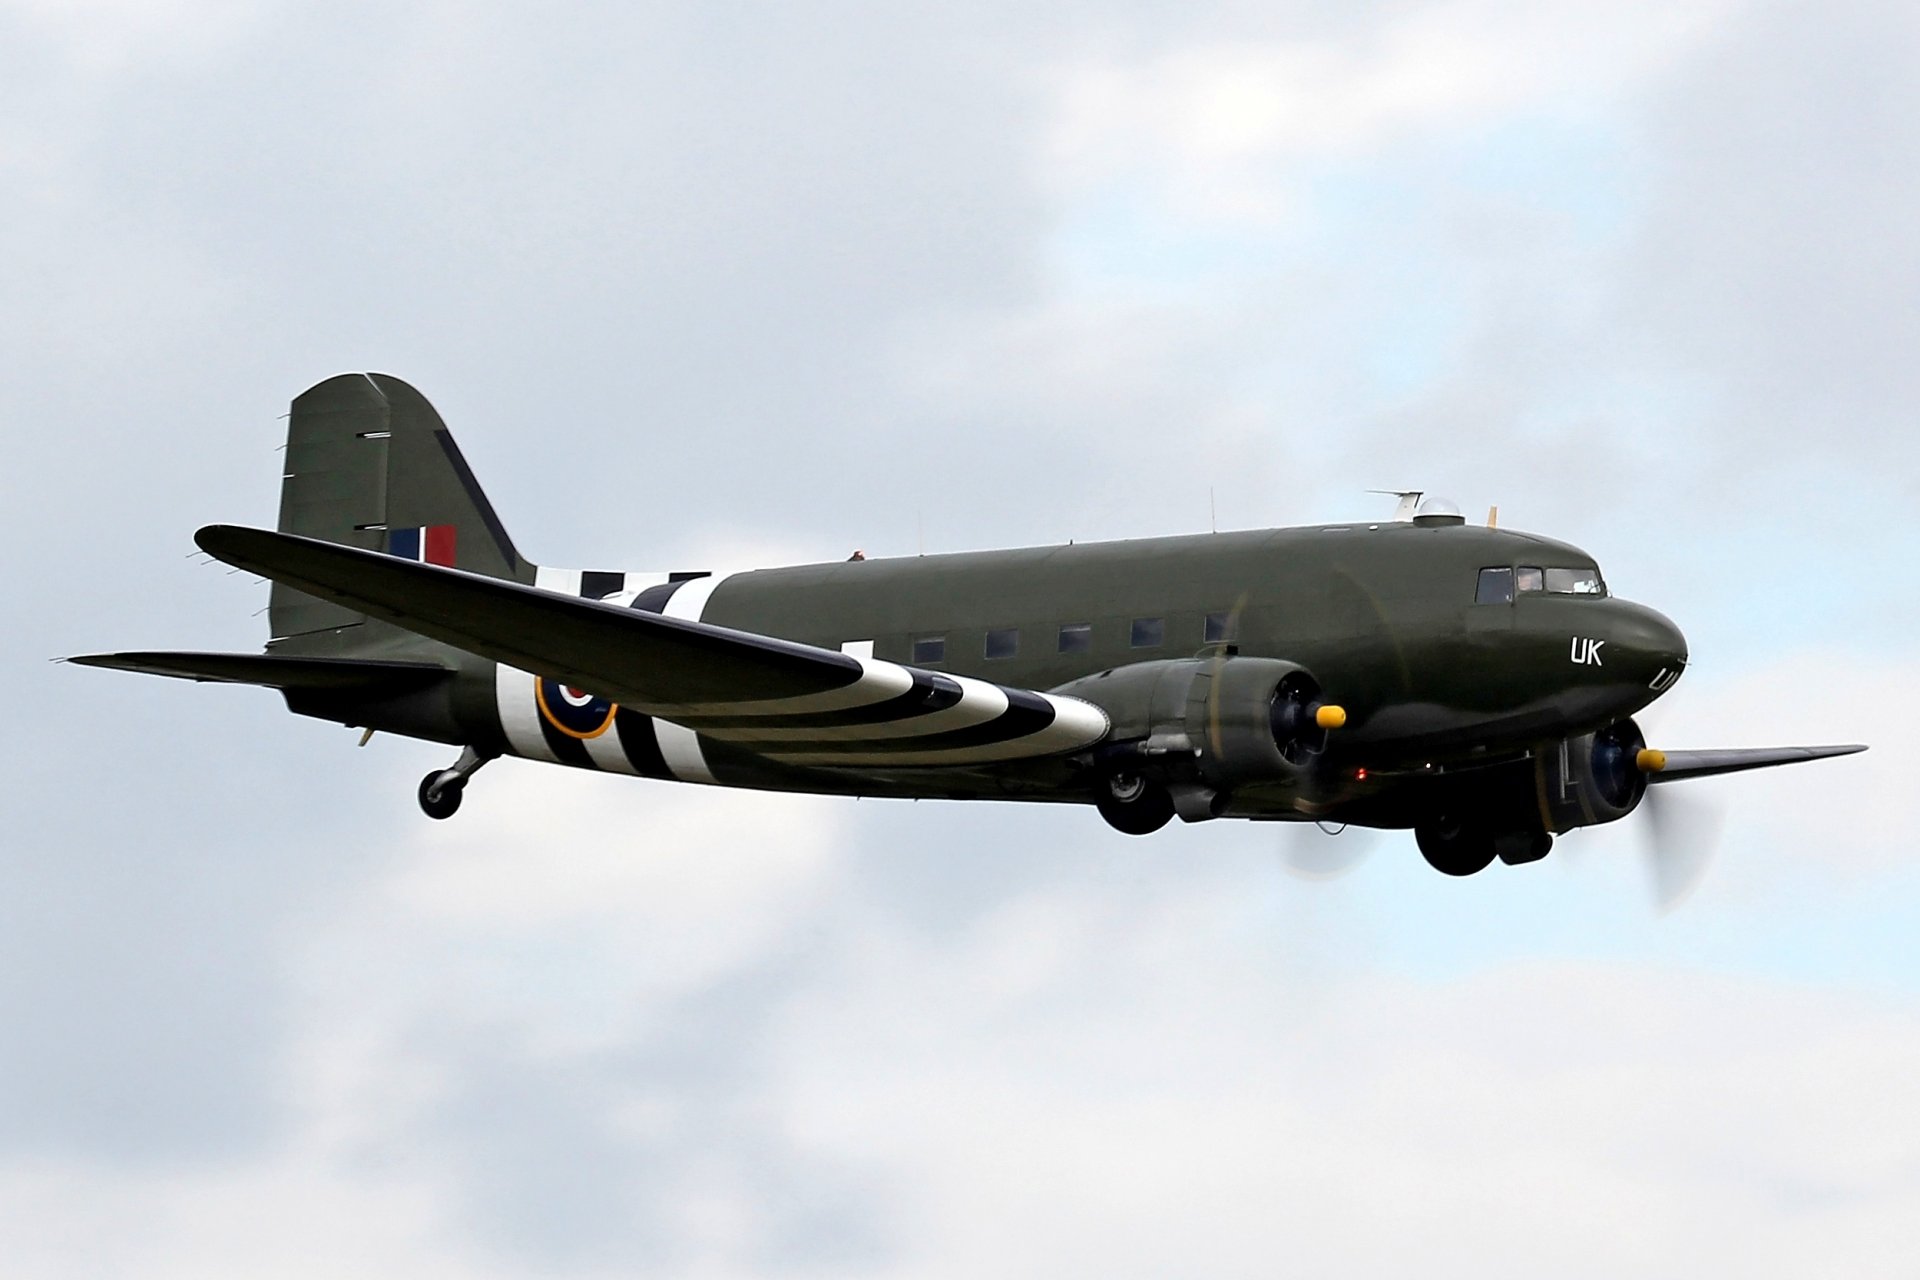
x=1074, y=637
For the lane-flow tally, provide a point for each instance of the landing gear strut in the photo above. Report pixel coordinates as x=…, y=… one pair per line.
x=440, y=791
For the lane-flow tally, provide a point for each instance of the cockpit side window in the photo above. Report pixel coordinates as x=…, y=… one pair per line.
x=1575, y=582
x=1496, y=587
x=1529, y=578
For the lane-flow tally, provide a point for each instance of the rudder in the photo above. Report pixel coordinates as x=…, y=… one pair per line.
x=370, y=464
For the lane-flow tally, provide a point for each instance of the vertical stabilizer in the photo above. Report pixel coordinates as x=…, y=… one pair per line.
x=369, y=464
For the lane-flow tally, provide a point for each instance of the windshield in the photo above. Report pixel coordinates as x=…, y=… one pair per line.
x=1575, y=582
x=1559, y=582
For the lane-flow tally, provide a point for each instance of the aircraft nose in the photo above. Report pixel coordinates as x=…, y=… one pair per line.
x=1656, y=645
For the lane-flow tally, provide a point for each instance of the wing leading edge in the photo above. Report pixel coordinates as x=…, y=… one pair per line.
x=1678, y=766
x=791, y=702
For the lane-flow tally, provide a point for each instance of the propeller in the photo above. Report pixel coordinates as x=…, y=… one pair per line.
x=1679, y=835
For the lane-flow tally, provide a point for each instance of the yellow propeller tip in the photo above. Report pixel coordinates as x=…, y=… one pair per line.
x=1650, y=761
x=1330, y=716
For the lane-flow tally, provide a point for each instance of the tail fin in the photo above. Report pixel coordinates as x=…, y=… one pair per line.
x=371, y=465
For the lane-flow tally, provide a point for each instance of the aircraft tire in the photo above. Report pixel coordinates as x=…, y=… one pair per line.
x=1145, y=808
x=1455, y=848
x=445, y=804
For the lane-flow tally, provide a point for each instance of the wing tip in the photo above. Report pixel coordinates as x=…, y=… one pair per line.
x=210, y=538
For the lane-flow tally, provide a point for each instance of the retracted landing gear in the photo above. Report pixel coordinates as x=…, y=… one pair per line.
x=440, y=791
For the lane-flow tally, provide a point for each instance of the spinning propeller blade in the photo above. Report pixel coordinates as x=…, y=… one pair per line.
x=1681, y=833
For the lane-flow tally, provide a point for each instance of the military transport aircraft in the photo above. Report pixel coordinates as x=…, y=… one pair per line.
x=1471, y=683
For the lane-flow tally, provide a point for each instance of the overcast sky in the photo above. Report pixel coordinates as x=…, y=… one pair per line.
x=739, y=285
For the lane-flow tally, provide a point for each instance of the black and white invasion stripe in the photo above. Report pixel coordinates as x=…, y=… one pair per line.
x=890, y=716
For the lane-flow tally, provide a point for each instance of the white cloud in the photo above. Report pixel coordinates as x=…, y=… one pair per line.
x=1212, y=126
x=1089, y=1078
x=566, y=905
x=1211, y=1115
x=297, y=1213
x=542, y=847
x=100, y=39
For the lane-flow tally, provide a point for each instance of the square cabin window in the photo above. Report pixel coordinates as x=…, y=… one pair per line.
x=1148, y=633
x=1076, y=637
x=1218, y=628
x=929, y=649
x=1003, y=642
x=1496, y=587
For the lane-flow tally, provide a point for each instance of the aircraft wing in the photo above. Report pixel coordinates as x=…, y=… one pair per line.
x=1681, y=765
x=795, y=702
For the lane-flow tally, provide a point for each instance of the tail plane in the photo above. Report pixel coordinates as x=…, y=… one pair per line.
x=369, y=464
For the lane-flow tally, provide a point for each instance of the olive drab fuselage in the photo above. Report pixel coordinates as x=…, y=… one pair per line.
x=1384, y=617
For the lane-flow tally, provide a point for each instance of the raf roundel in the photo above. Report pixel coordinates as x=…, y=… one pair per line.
x=574, y=712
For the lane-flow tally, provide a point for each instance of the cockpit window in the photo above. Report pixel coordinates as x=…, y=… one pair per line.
x=1500, y=586
x=1496, y=587
x=1575, y=582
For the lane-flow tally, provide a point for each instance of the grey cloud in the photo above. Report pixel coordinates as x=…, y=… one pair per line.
x=615, y=1158
x=678, y=238
x=1779, y=252
x=145, y=900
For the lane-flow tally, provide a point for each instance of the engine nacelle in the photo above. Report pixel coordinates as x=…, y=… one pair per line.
x=1591, y=779
x=1208, y=722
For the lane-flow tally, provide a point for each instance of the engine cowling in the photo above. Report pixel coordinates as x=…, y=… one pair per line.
x=1211, y=722
x=1592, y=779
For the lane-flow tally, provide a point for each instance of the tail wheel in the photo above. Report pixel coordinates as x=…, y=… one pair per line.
x=441, y=799
x=1132, y=804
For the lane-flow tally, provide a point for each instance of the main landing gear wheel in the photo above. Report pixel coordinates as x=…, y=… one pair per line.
x=1455, y=848
x=440, y=791
x=440, y=799
x=1134, y=805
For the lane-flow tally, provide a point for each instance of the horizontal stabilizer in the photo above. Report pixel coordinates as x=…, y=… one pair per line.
x=344, y=675
x=1705, y=764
